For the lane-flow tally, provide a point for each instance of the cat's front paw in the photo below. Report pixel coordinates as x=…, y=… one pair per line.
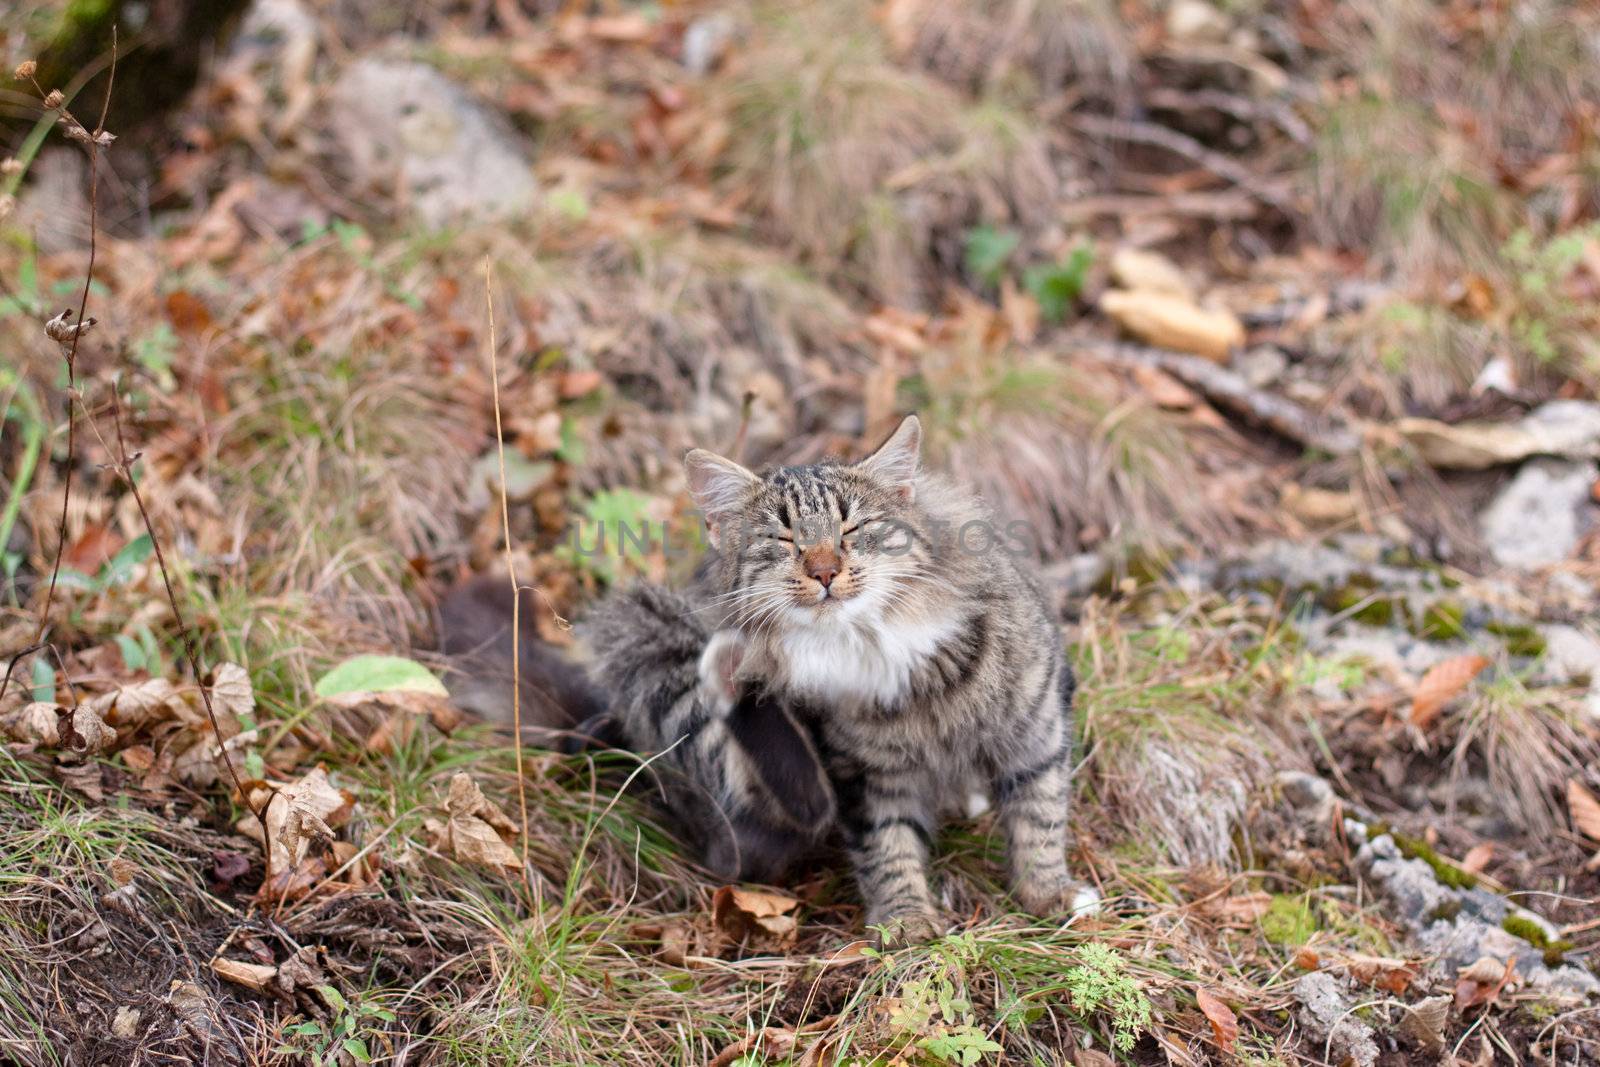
x=908, y=928
x=1065, y=899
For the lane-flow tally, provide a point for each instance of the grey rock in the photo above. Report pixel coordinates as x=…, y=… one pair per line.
x=1537, y=519
x=1327, y=1013
x=405, y=126
x=1457, y=927
x=1571, y=655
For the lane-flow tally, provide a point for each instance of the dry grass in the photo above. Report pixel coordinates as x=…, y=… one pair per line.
x=846, y=155
x=1065, y=447
x=1021, y=49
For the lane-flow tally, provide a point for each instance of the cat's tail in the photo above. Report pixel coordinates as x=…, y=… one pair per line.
x=557, y=696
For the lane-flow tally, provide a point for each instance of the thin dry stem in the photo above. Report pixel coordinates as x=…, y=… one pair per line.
x=511, y=569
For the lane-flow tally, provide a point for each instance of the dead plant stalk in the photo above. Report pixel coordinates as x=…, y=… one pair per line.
x=68, y=335
x=511, y=570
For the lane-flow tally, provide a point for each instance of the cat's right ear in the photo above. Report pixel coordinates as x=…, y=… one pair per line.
x=719, y=487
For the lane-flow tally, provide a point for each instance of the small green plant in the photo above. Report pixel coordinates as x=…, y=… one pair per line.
x=155, y=352
x=988, y=252
x=938, y=1017
x=1056, y=285
x=1100, y=983
x=613, y=535
x=347, y=1034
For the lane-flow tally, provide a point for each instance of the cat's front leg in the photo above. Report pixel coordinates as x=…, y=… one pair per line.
x=1033, y=790
x=889, y=828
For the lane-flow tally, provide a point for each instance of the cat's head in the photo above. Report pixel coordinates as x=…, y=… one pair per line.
x=803, y=544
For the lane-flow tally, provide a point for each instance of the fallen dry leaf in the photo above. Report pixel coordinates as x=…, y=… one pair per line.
x=1585, y=809
x=231, y=691
x=77, y=729
x=1173, y=322
x=772, y=1043
x=1320, y=507
x=254, y=976
x=742, y=913
x=1477, y=858
x=476, y=831
x=1482, y=981
x=1444, y=681
x=1381, y=972
x=138, y=704
x=1244, y=908
x=1224, y=1024
x=1566, y=429
x=299, y=815
x=1425, y=1020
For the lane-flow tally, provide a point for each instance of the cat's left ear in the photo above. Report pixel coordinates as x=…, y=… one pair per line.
x=896, y=460
x=720, y=488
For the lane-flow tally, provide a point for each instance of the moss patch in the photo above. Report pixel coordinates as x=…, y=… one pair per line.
x=1442, y=620
x=1289, y=920
x=1520, y=638
x=1525, y=928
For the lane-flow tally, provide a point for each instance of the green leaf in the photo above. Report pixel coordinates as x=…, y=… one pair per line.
x=44, y=680
x=119, y=568
x=377, y=674
x=988, y=251
x=132, y=654
x=1056, y=285
x=357, y=1049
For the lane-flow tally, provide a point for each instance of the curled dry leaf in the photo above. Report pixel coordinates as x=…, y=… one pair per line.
x=1444, y=681
x=61, y=329
x=298, y=815
x=739, y=914
x=78, y=729
x=1224, y=1024
x=476, y=831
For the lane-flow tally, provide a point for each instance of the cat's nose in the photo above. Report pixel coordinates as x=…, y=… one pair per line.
x=823, y=573
x=822, y=563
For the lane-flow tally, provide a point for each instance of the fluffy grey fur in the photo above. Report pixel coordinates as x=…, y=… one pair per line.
x=886, y=610
x=737, y=773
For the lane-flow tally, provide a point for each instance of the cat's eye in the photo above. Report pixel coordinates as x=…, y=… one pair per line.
x=848, y=530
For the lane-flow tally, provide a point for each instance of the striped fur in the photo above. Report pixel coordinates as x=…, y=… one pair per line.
x=929, y=658
x=738, y=775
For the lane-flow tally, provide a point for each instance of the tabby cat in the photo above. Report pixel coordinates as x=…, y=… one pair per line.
x=882, y=608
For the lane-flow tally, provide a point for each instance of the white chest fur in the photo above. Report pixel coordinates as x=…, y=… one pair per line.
x=854, y=664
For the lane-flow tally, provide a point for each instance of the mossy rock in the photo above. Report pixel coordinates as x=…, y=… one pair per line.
x=1521, y=926
x=1521, y=639
x=1441, y=620
x=1362, y=599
